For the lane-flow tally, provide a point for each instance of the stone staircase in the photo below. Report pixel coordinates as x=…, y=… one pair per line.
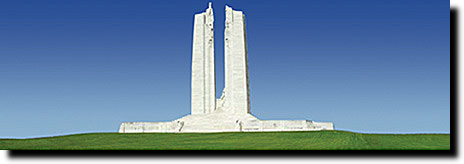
x=213, y=122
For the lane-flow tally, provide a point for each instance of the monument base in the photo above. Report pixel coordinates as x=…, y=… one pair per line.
x=222, y=122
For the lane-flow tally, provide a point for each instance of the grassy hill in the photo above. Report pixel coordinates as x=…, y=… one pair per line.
x=316, y=140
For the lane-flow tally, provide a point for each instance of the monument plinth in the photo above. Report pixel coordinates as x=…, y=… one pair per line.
x=230, y=113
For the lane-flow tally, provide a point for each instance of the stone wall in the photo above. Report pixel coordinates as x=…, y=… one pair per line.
x=223, y=123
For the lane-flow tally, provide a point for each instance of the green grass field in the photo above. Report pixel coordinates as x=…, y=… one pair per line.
x=317, y=140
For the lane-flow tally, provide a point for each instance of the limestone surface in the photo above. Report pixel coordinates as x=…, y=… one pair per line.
x=203, y=95
x=236, y=94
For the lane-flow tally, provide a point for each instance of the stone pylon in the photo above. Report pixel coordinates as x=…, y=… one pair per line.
x=203, y=98
x=236, y=94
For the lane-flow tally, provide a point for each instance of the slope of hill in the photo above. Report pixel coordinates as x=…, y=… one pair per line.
x=315, y=140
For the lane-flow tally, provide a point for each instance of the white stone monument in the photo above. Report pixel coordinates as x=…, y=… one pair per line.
x=230, y=113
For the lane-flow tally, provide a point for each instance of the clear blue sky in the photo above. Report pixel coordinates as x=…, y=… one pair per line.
x=86, y=66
